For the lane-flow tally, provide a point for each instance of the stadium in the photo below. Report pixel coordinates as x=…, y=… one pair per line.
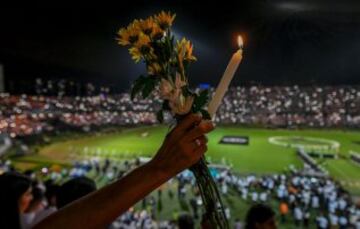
x=293, y=147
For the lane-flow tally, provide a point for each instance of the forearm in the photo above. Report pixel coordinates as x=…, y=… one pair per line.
x=100, y=208
x=97, y=210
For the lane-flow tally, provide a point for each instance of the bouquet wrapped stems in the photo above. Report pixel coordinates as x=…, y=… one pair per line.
x=167, y=61
x=214, y=208
x=210, y=195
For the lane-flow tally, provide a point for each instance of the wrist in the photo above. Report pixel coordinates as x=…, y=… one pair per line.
x=160, y=169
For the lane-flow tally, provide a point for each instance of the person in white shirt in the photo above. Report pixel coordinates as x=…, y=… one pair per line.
x=332, y=206
x=244, y=193
x=280, y=193
x=306, y=198
x=227, y=213
x=322, y=222
x=315, y=202
x=298, y=215
x=342, y=204
x=270, y=184
x=263, y=196
x=343, y=222
x=254, y=196
x=292, y=199
x=224, y=188
x=334, y=220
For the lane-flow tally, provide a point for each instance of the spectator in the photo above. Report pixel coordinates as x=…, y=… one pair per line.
x=330, y=106
x=36, y=206
x=284, y=210
x=73, y=190
x=334, y=220
x=298, y=215
x=254, y=196
x=15, y=197
x=260, y=216
x=238, y=224
x=306, y=217
x=51, y=192
x=186, y=222
x=322, y=222
x=343, y=222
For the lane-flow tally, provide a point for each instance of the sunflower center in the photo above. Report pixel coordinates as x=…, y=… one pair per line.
x=148, y=31
x=145, y=49
x=164, y=25
x=158, y=36
x=133, y=39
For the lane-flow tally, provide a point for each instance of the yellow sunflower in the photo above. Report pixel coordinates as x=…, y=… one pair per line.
x=130, y=34
x=123, y=37
x=143, y=41
x=154, y=69
x=157, y=32
x=147, y=25
x=165, y=19
x=136, y=25
x=135, y=53
x=143, y=44
x=185, y=50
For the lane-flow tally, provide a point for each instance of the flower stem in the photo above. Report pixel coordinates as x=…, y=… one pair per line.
x=210, y=195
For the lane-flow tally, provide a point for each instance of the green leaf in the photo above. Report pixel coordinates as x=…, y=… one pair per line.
x=205, y=114
x=203, y=98
x=159, y=50
x=167, y=49
x=145, y=85
x=137, y=86
x=160, y=116
x=186, y=91
x=200, y=101
x=149, y=86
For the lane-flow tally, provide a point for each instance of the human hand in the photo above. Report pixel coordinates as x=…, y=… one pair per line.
x=183, y=146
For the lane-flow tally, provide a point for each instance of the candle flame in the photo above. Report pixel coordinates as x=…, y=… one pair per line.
x=240, y=41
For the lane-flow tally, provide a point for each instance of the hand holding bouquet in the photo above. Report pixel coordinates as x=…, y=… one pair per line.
x=167, y=62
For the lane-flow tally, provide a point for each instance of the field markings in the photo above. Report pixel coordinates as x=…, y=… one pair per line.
x=281, y=141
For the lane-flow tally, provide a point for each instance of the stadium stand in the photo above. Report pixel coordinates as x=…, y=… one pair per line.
x=289, y=107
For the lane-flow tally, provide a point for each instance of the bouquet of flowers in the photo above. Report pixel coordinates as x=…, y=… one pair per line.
x=167, y=61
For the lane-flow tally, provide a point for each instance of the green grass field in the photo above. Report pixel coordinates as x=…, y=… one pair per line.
x=260, y=156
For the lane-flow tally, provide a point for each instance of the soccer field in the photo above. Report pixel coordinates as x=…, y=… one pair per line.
x=260, y=156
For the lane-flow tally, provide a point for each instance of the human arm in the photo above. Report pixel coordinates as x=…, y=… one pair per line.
x=98, y=209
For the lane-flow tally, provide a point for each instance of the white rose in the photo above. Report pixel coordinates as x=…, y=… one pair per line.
x=181, y=105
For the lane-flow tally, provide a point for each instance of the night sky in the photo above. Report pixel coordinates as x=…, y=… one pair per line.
x=286, y=42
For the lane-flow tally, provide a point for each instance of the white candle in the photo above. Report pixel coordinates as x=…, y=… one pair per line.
x=226, y=79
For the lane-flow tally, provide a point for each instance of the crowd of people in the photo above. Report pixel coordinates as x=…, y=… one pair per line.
x=27, y=115
x=40, y=193
x=332, y=106
x=301, y=200
x=336, y=106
